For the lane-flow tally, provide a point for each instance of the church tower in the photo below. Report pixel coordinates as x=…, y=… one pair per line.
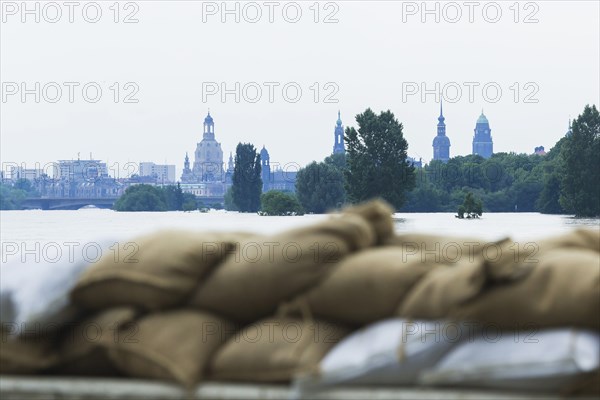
x=441, y=143
x=338, y=145
x=265, y=170
x=482, y=140
x=209, y=128
x=230, y=164
x=186, y=176
x=208, y=160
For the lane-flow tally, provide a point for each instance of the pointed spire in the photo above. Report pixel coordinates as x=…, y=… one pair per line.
x=441, y=117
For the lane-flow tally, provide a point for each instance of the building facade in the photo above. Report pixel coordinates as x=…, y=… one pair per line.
x=483, y=144
x=275, y=178
x=31, y=174
x=162, y=173
x=338, y=134
x=441, y=143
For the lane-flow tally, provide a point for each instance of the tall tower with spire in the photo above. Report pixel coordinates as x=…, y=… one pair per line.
x=441, y=143
x=230, y=164
x=338, y=145
x=483, y=144
x=186, y=175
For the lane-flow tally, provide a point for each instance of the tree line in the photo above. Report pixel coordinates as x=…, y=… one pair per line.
x=564, y=181
x=145, y=197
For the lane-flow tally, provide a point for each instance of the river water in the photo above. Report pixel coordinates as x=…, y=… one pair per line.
x=37, y=226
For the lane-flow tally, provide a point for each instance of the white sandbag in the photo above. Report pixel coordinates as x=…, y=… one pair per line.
x=35, y=285
x=390, y=352
x=549, y=361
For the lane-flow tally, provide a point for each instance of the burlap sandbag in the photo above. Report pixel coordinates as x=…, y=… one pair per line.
x=172, y=346
x=436, y=248
x=562, y=289
x=28, y=354
x=152, y=272
x=250, y=284
x=83, y=345
x=450, y=285
x=577, y=239
x=365, y=287
x=275, y=350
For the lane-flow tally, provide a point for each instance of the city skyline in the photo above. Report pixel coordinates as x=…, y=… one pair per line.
x=333, y=136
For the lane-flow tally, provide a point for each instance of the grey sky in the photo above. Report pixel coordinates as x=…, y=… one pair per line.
x=370, y=54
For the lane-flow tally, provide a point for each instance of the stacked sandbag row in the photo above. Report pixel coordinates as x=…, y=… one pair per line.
x=268, y=308
x=182, y=299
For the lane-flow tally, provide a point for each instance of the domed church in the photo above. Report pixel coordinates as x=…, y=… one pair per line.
x=208, y=158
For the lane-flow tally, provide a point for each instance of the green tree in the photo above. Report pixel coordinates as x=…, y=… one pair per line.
x=23, y=184
x=377, y=159
x=471, y=206
x=189, y=202
x=338, y=160
x=320, y=187
x=580, y=182
x=228, y=200
x=275, y=202
x=247, y=183
x=173, y=197
x=141, y=198
x=11, y=198
x=426, y=197
x=552, y=170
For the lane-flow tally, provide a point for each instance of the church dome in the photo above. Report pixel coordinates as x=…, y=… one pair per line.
x=208, y=119
x=264, y=153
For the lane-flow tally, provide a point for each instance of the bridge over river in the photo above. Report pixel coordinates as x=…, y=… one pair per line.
x=67, y=203
x=75, y=203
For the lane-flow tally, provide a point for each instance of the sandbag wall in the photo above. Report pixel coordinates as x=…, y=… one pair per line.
x=189, y=307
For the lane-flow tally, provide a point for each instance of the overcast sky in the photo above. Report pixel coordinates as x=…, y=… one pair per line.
x=376, y=55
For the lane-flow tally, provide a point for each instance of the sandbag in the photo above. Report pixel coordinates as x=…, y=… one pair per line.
x=576, y=239
x=27, y=354
x=562, y=289
x=544, y=361
x=559, y=287
x=83, y=345
x=436, y=248
x=250, y=284
x=173, y=346
x=364, y=287
x=153, y=272
x=437, y=293
x=389, y=352
x=275, y=350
